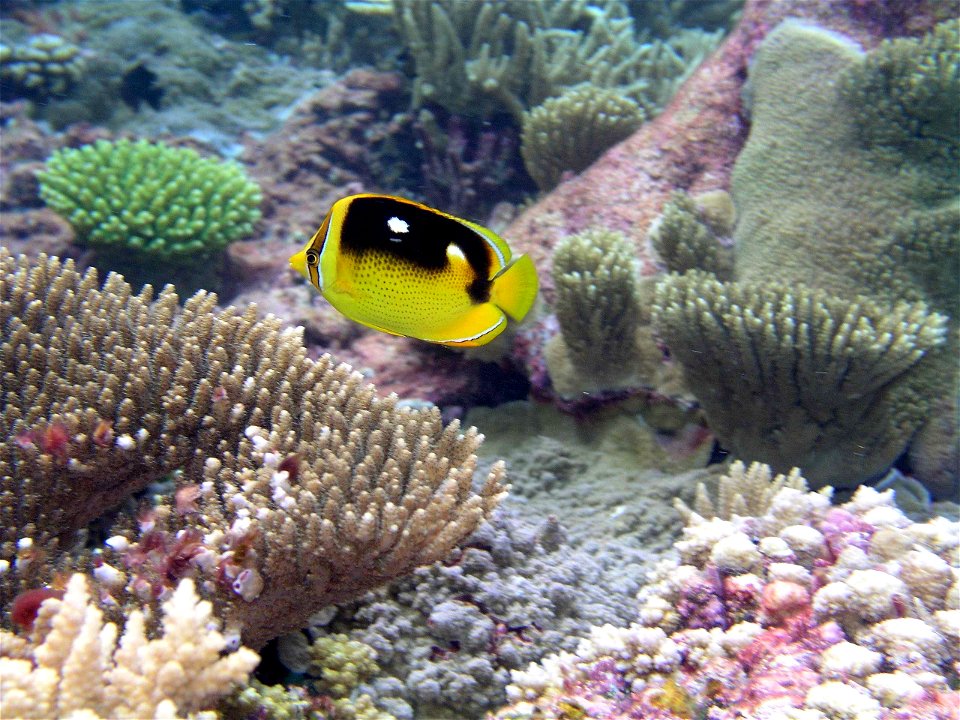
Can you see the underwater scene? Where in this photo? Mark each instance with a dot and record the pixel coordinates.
(480, 359)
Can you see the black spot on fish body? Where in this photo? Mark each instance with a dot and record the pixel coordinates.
(421, 237)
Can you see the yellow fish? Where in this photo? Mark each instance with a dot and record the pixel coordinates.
(406, 269)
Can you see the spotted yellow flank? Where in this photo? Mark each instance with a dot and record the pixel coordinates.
(406, 269)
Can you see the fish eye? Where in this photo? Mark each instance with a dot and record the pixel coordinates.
(312, 257)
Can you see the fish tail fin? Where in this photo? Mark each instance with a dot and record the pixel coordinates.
(515, 288)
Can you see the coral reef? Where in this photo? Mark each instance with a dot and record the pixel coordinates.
(568, 132)
(74, 665)
(152, 70)
(485, 59)
(797, 377)
(805, 611)
(150, 210)
(44, 67)
(296, 486)
(796, 204)
(693, 144)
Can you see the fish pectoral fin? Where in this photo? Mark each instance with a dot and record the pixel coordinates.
(477, 326)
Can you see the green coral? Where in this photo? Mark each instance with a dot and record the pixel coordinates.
(598, 309)
(906, 93)
(43, 67)
(273, 702)
(569, 132)
(794, 377)
(505, 56)
(144, 204)
(341, 664)
(685, 239)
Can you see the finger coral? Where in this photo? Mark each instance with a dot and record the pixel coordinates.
(768, 636)
(567, 133)
(800, 378)
(142, 203)
(296, 486)
(598, 308)
(75, 666)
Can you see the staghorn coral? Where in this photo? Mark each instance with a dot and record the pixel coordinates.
(296, 485)
(735, 630)
(800, 378)
(43, 67)
(598, 309)
(567, 133)
(686, 237)
(74, 665)
(147, 204)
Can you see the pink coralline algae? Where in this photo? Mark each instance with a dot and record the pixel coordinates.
(808, 612)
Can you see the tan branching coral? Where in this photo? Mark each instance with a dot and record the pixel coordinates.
(297, 486)
(598, 308)
(106, 391)
(800, 378)
(75, 666)
(744, 491)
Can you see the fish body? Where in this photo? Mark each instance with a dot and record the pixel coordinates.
(407, 269)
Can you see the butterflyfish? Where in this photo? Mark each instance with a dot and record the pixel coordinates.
(407, 269)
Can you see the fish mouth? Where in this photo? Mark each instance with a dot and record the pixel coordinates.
(298, 262)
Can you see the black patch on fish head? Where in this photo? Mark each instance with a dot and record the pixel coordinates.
(417, 235)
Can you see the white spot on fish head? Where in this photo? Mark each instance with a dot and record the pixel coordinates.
(397, 225)
(455, 253)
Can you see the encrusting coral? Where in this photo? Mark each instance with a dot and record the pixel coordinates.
(75, 666)
(807, 611)
(147, 204)
(598, 309)
(797, 377)
(568, 132)
(296, 486)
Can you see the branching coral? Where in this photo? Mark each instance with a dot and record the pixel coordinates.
(296, 485)
(741, 491)
(75, 666)
(774, 616)
(506, 56)
(598, 309)
(149, 204)
(45, 66)
(567, 133)
(800, 378)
